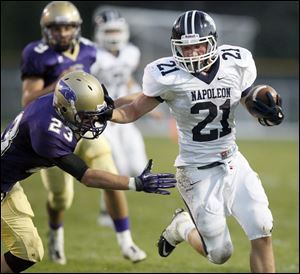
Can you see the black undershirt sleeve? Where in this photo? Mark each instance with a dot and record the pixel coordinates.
(246, 91)
(159, 99)
(72, 164)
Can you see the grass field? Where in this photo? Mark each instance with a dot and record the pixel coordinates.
(90, 248)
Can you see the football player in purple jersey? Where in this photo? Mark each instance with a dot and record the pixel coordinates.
(62, 49)
(45, 134)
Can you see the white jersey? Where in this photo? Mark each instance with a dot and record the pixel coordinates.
(126, 140)
(203, 106)
(115, 71)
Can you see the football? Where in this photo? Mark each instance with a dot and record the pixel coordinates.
(259, 92)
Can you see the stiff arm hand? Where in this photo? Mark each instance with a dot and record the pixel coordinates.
(109, 101)
(153, 183)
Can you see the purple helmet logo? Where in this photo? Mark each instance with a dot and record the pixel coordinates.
(67, 92)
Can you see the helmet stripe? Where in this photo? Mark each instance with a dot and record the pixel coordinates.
(189, 24)
(193, 21)
(185, 23)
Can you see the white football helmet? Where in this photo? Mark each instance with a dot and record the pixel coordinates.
(193, 28)
(79, 100)
(111, 29)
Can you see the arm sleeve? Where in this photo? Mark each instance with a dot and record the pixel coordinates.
(249, 73)
(246, 91)
(151, 86)
(72, 164)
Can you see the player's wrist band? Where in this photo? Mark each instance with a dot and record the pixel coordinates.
(131, 184)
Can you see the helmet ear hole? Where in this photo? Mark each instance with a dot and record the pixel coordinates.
(64, 109)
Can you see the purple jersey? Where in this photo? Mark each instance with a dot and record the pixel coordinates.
(32, 140)
(38, 59)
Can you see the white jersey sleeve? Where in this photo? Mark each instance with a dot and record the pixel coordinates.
(156, 82)
(242, 61)
(249, 72)
(151, 87)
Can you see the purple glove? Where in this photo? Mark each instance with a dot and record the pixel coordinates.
(154, 183)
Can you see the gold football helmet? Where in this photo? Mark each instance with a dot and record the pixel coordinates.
(79, 100)
(60, 13)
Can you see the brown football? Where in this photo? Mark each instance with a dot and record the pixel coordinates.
(259, 92)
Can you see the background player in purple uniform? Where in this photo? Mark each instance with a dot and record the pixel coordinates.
(61, 50)
(43, 135)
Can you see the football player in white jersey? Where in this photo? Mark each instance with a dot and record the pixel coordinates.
(116, 60)
(203, 85)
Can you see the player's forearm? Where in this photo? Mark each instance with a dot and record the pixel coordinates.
(126, 99)
(104, 180)
(133, 111)
(125, 114)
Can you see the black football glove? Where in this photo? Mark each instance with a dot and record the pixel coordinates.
(109, 101)
(271, 112)
(154, 183)
(106, 114)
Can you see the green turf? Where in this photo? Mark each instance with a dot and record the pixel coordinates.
(90, 248)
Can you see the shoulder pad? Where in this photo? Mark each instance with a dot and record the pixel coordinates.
(130, 55)
(164, 70)
(87, 42)
(133, 48)
(35, 48)
(244, 54)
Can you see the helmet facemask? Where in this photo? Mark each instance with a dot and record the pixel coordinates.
(88, 121)
(193, 28)
(194, 64)
(55, 43)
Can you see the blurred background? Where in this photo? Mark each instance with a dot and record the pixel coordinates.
(269, 29)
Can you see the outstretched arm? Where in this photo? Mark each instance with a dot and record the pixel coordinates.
(126, 99)
(131, 112)
(146, 181)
